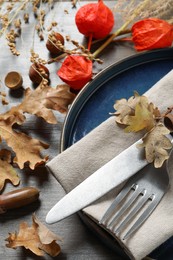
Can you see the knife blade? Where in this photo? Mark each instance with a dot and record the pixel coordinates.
(110, 175)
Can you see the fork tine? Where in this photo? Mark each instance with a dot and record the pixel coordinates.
(132, 213)
(144, 216)
(153, 183)
(125, 206)
(115, 203)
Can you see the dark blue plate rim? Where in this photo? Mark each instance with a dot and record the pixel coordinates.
(101, 78)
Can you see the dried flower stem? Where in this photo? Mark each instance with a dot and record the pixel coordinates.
(159, 9)
(126, 31)
(79, 50)
(122, 28)
(13, 17)
(60, 57)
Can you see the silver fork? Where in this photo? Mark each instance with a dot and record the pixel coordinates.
(138, 198)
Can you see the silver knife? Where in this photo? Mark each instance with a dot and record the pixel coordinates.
(110, 175)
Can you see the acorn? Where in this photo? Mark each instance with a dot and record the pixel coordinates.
(52, 43)
(13, 80)
(18, 198)
(37, 72)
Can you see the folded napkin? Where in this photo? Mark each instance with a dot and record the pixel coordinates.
(98, 147)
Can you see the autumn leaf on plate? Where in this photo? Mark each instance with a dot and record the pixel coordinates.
(142, 119)
(44, 99)
(6, 169)
(136, 112)
(37, 238)
(156, 145)
(125, 107)
(27, 149)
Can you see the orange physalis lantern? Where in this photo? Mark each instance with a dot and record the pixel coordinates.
(95, 19)
(152, 33)
(76, 71)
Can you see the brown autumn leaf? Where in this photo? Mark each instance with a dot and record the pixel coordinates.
(16, 114)
(44, 99)
(39, 102)
(37, 238)
(5, 155)
(154, 110)
(8, 173)
(27, 149)
(156, 145)
(48, 238)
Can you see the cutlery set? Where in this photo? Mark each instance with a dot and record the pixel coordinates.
(145, 186)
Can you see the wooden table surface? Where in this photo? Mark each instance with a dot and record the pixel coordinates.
(78, 241)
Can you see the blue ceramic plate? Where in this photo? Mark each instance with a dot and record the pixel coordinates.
(94, 103)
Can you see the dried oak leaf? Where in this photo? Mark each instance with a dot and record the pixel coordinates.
(16, 114)
(7, 171)
(125, 107)
(41, 102)
(136, 113)
(37, 238)
(27, 149)
(156, 145)
(143, 117)
(44, 99)
(5, 155)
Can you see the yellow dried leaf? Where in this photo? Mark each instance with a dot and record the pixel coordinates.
(125, 108)
(36, 238)
(143, 118)
(156, 145)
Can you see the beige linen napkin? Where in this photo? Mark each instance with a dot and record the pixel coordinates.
(98, 147)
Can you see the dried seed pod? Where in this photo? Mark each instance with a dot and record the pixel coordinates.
(18, 198)
(13, 80)
(38, 72)
(55, 43)
(76, 71)
(152, 33)
(95, 19)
